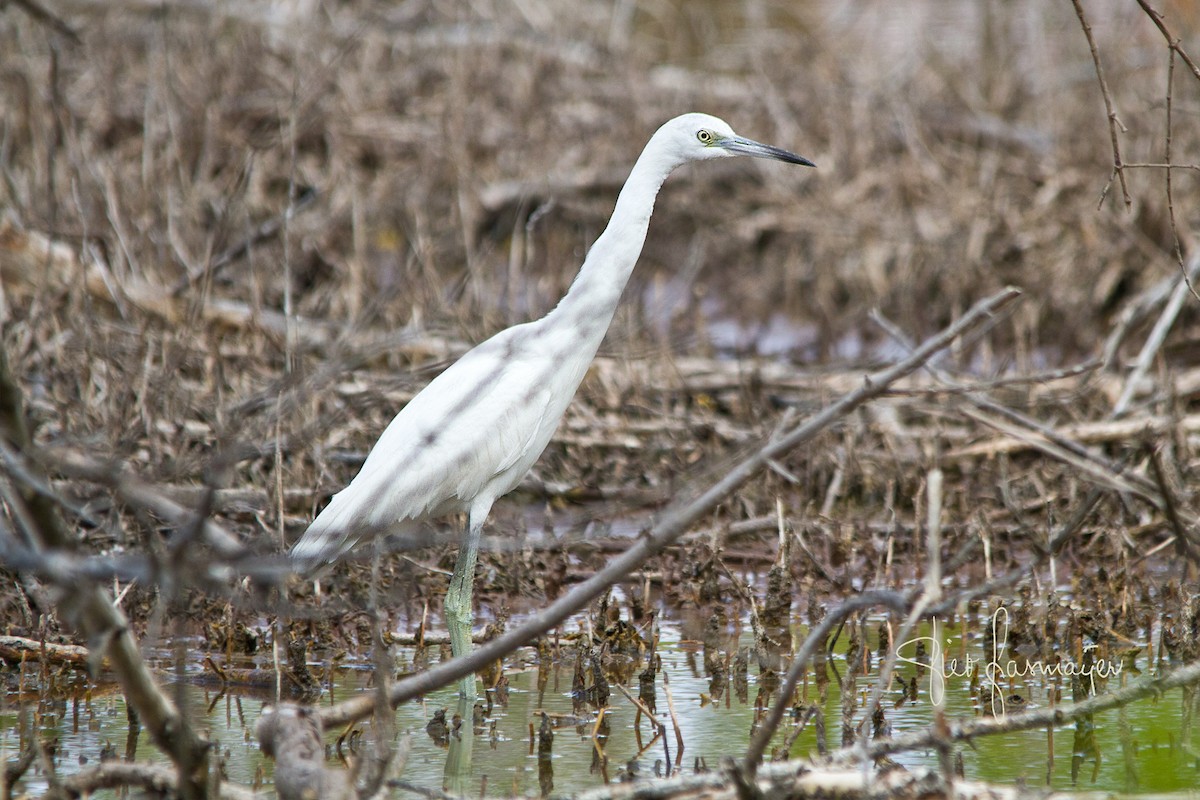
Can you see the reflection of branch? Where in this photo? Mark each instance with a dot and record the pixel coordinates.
(674, 523)
(1054, 715)
(14, 769)
(1113, 122)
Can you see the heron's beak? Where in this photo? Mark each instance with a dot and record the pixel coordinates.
(748, 147)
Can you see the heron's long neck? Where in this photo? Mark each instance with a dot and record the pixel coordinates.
(592, 299)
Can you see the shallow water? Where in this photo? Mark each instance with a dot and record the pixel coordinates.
(1148, 746)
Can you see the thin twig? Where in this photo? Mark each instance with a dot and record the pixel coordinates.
(48, 18)
(1113, 121)
(1007, 381)
(1172, 41)
(1165, 165)
(674, 523)
(1170, 193)
(1158, 335)
(640, 706)
(674, 718)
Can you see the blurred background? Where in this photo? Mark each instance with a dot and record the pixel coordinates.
(235, 238)
(238, 236)
(464, 156)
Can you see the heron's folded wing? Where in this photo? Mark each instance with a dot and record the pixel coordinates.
(482, 418)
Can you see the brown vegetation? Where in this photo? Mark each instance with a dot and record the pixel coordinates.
(236, 238)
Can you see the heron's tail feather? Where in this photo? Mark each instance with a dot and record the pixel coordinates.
(328, 538)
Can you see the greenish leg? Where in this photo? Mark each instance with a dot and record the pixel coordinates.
(458, 605)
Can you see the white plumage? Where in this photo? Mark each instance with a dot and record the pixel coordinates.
(473, 433)
(469, 437)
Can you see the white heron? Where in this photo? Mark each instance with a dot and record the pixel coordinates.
(471, 435)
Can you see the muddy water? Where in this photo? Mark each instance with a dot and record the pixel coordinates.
(1149, 746)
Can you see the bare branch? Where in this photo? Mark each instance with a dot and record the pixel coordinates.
(137, 493)
(1113, 122)
(1172, 41)
(815, 639)
(157, 778)
(48, 18)
(674, 523)
(89, 609)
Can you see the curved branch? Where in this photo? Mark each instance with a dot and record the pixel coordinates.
(673, 525)
(154, 777)
(1113, 122)
(88, 608)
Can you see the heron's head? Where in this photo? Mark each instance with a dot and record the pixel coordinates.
(698, 137)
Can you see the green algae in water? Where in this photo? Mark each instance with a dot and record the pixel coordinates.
(1148, 746)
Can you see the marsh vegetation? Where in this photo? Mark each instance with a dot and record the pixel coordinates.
(236, 238)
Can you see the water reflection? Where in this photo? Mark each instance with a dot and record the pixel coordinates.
(545, 767)
(575, 713)
(457, 779)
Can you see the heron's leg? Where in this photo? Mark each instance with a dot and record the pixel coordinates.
(458, 605)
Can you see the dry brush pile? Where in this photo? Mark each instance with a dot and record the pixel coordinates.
(237, 238)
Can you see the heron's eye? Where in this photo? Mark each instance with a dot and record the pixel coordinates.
(705, 136)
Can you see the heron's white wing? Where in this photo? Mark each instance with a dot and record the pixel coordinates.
(469, 436)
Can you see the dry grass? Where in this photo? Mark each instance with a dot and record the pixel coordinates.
(464, 159)
(163, 312)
